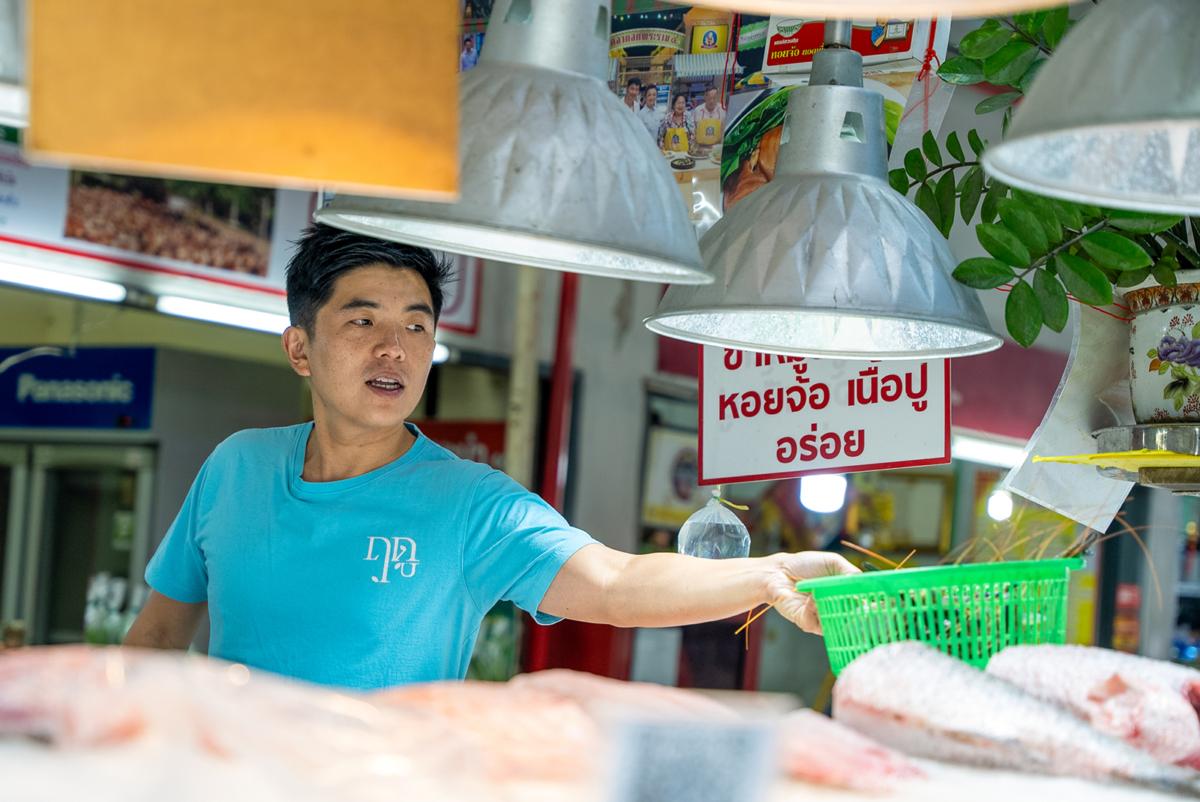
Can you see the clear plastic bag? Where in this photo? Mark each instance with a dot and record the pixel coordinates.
(714, 532)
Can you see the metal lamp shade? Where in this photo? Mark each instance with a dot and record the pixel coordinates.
(556, 172)
(885, 9)
(1114, 117)
(828, 266)
(827, 260)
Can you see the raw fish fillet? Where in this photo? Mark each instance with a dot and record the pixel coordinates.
(813, 747)
(80, 697)
(918, 700)
(603, 696)
(523, 732)
(817, 749)
(1150, 704)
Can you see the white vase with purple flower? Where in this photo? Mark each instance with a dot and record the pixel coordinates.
(1164, 353)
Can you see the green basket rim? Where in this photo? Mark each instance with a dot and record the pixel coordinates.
(1016, 570)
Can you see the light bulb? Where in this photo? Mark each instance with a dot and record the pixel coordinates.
(823, 494)
(1000, 505)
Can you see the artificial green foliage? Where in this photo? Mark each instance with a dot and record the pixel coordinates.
(1044, 251)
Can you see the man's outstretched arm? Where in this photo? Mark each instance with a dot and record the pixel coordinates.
(604, 586)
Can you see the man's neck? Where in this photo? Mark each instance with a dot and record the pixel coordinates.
(342, 452)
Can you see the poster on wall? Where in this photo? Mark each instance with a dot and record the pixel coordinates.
(216, 234)
(764, 416)
(893, 52)
(462, 296)
(792, 42)
(474, 20)
(670, 487)
(755, 133)
(478, 441)
(673, 68)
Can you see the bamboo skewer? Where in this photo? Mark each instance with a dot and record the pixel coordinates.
(750, 619)
(869, 553)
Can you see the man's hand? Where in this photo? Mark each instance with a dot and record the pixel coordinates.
(801, 608)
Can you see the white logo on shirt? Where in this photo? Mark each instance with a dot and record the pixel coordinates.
(399, 554)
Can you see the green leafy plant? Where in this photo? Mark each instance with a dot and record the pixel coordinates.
(1045, 251)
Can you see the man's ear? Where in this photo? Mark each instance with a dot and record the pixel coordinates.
(295, 345)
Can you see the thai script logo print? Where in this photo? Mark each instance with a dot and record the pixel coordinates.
(398, 554)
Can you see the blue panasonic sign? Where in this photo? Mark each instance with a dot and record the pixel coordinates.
(85, 388)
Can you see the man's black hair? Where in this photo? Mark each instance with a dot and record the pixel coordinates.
(324, 253)
(634, 82)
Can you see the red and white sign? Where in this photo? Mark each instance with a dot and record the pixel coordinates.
(764, 416)
(885, 46)
(478, 441)
(460, 303)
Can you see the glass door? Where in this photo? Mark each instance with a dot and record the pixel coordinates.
(14, 481)
(88, 535)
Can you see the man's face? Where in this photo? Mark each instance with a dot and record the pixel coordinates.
(631, 93)
(710, 99)
(469, 44)
(371, 348)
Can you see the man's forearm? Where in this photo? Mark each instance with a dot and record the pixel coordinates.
(165, 623)
(154, 638)
(669, 590)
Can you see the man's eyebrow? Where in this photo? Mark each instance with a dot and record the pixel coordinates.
(420, 307)
(360, 303)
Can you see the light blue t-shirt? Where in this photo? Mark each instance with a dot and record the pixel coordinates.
(367, 582)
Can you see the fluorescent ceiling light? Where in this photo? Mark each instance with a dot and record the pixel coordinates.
(222, 313)
(66, 283)
(823, 494)
(1114, 118)
(985, 452)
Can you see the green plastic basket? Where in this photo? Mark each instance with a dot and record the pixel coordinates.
(968, 611)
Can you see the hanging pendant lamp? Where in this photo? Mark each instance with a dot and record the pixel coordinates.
(556, 171)
(1114, 117)
(827, 260)
(884, 9)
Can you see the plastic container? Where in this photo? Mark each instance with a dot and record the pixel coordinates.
(967, 611)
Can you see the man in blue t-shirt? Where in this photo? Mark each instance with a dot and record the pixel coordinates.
(353, 551)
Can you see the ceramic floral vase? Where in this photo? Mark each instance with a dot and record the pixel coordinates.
(1164, 353)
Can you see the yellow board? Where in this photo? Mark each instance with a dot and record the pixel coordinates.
(1131, 461)
(356, 97)
(710, 38)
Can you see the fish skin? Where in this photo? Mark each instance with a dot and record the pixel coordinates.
(1150, 704)
(520, 732)
(817, 749)
(915, 699)
(602, 696)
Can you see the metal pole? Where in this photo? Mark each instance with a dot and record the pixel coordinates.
(521, 429)
(837, 32)
(558, 436)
